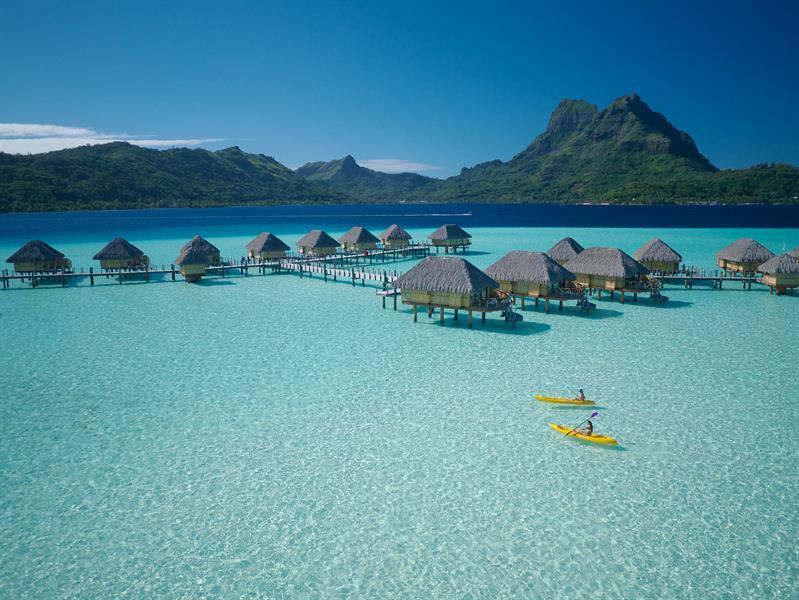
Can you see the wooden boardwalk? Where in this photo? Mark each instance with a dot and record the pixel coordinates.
(690, 276)
(349, 266)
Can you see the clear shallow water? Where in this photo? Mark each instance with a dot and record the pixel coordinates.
(275, 436)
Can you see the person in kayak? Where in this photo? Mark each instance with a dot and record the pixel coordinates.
(580, 396)
(586, 429)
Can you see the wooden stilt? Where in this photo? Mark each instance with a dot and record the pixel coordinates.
(441, 315)
(415, 310)
(483, 316)
(456, 314)
(469, 320)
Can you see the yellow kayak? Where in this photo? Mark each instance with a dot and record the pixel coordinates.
(564, 400)
(597, 439)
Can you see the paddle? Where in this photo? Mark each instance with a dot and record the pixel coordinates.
(586, 421)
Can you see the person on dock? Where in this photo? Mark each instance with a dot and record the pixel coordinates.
(580, 395)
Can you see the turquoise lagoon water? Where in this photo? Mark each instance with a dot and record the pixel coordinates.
(271, 436)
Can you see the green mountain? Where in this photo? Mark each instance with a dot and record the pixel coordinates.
(120, 175)
(624, 153)
(362, 184)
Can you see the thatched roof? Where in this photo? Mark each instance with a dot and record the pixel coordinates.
(395, 232)
(194, 255)
(784, 264)
(35, 251)
(449, 232)
(656, 250)
(202, 244)
(118, 249)
(267, 242)
(358, 235)
(794, 252)
(745, 250)
(196, 252)
(530, 267)
(446, 274)
(565, 250)
(317, 239)
(606, 262)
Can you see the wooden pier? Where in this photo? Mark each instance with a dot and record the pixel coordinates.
(346, 266)
(689, 276)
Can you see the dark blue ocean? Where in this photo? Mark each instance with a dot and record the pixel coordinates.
(221, 221)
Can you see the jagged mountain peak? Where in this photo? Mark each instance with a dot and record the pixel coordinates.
(571, 115)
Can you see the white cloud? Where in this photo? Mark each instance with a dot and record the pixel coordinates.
(34, 130)
(32, 138)
(396, 165)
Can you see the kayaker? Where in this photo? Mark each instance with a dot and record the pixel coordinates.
(586, 429)
(580, 396)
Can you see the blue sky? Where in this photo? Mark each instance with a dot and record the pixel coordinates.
(438, 85)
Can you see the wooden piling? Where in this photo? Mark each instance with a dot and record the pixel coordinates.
(415, 310)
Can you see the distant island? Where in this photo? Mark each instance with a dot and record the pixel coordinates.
(624, 154)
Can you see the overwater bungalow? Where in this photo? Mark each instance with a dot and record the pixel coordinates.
(565, 250)
(743, 256)
(119, 253)
(794, 252)
(197, 254)
(780, 273)
(210, 251)
(452, 283)
(450, 236)
(534, 275)
(267, 246)
(317, 243)
(358, 239)
(395, 237)
(612, 270)
(37, 256)
(657, 256)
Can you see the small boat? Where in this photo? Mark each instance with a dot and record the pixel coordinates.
(564, 401)
(595, 438)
